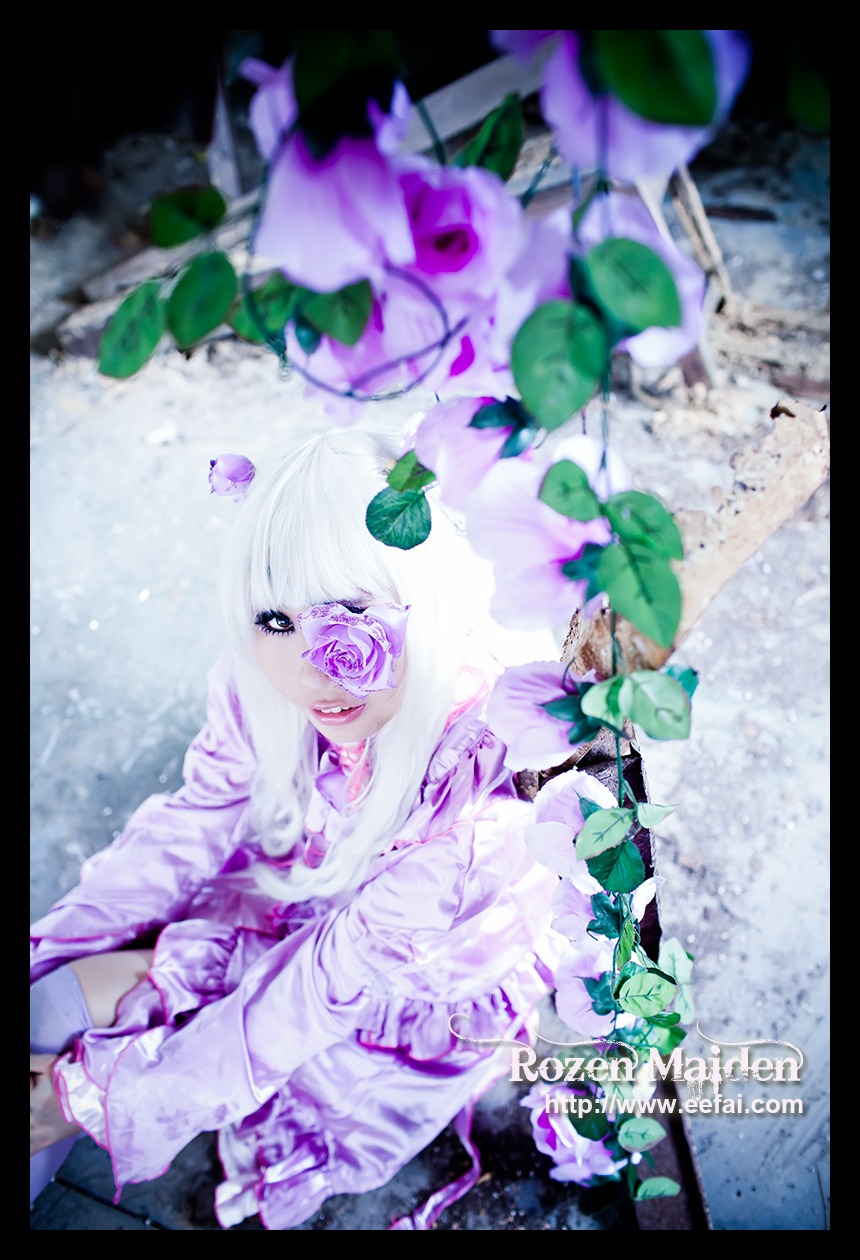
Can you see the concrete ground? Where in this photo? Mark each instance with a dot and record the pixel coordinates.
(124, 546)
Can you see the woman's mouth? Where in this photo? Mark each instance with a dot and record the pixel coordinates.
(337, 714)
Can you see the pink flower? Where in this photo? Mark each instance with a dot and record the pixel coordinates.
(332, 221)
(624, 215)
(587, 958)
(558, 820)
(528, 542)
(230, 476)
(273, 108)
(576, 1158)
(535, 740)
(458, 454)
(355, 649)
(634, 146)
(465, 229)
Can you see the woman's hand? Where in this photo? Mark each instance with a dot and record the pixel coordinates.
(47, 1122)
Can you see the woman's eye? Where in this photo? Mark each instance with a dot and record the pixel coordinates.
(272, 622)
(354, 608)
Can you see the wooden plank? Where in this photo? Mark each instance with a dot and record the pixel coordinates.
(466, 102)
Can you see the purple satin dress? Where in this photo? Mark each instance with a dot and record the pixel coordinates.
(315, 1038)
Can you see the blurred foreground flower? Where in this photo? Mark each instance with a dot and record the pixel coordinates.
(529, 542)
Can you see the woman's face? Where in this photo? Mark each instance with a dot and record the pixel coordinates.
(341, 717)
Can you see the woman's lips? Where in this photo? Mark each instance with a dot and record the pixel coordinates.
(331, 717)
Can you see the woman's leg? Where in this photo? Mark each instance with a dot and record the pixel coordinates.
(64, 1003)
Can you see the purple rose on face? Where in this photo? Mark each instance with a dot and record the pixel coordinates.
(355, 649)
(230, 476)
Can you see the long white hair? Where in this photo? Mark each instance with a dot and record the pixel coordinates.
(300, 538)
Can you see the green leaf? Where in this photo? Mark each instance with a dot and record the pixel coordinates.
(399, 518)
(633, 285)
(675, 960)
(185, 213)
(499, 415)
(618, 870)
(497, 145)
(664, 76)
(568, 709)
(342, 315)
(688, 678)
(650, 816)
(133, 331)
(642, 586)
(640, 518)
(592, 1126)
(566, 488)
(640, 1133)
(587, 806)
(657, 1188)
(664, 1040)
(645, 994)
(607, 918)
(410, 474)
(201, 298)
(665, 1019)
(601, 702)
(585, 569)
(265, 311)
(626, 941)
(808, 97)
(657, 703)
(603, 830)
(600, 991)
(335, 73)
(557, 359)
(517, 442)
(307, 336)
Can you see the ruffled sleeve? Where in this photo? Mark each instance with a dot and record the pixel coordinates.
(415, 928)
(170, 846)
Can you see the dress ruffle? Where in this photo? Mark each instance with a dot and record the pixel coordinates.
(327, 1043)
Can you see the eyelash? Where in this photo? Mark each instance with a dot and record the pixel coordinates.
(262, 620)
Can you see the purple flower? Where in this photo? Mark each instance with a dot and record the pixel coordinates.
(520, 44)
(458, 454)
(558, 820)
(528, 542)
(230, 476)
(355, 649)
(465, 228)
(535, 739)
(635, 147)
(273, 108)
(620, 214)
(576, 1158)
(332, 221)
(585, 959)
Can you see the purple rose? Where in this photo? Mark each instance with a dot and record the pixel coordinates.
(355, 649)
(230, 476)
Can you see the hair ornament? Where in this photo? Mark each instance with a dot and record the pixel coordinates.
(230, 476)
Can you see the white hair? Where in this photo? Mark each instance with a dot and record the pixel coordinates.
(300, 538)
